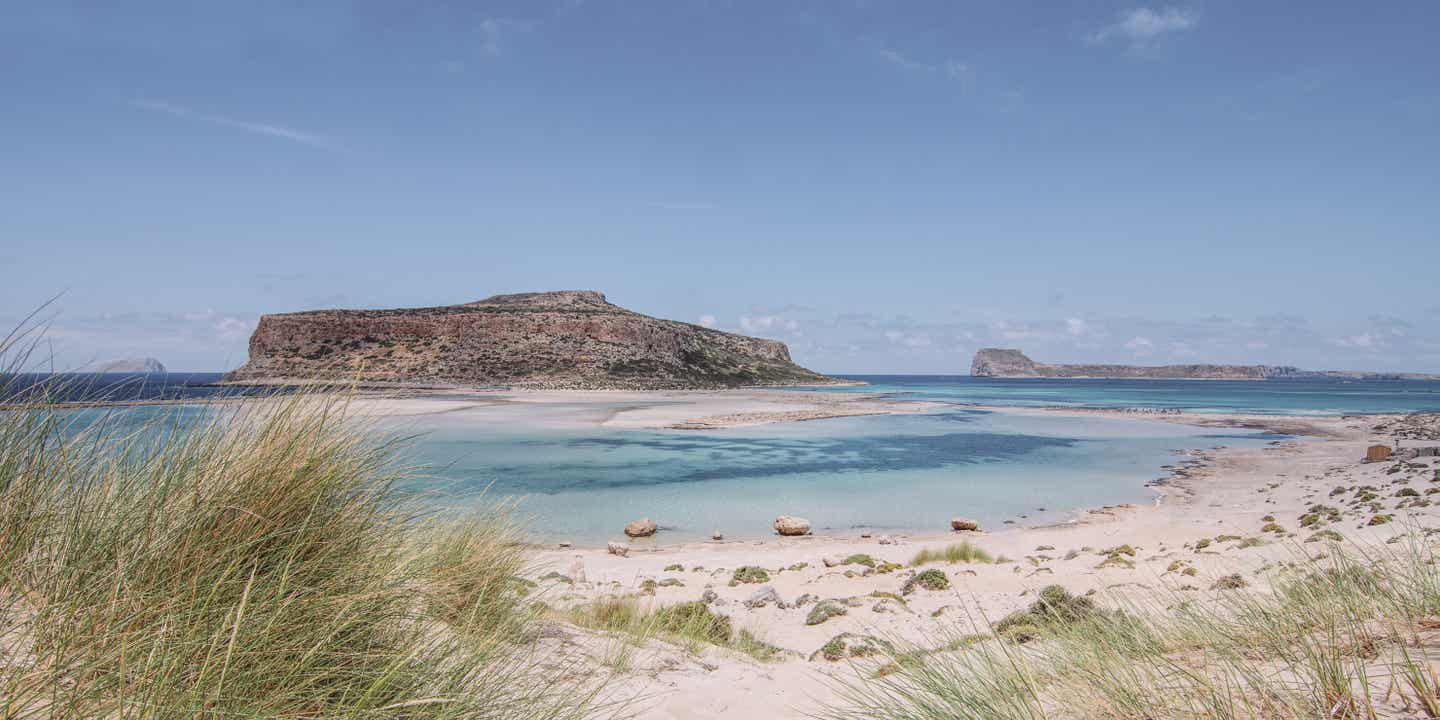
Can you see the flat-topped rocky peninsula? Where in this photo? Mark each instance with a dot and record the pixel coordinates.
(572, 339)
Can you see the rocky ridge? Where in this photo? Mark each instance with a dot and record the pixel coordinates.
(1011, 363)
(1006, 363)
(563, 339)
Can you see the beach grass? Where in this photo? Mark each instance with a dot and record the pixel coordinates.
(1350, 636)
(259, 562)
(690, 625)
(961, 552)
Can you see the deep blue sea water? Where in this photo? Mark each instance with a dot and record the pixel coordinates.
(114, 387)
(1283, 397)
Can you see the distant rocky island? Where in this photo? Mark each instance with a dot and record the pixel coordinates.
(563, 339)
(1010, 363)
(146, 365)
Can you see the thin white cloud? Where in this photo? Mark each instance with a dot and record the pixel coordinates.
(490, 36)
(275, 131)
(952, 69)
(707, 320)
(767, 323)
(1140, 346)
(1144, 24)
(898, 60)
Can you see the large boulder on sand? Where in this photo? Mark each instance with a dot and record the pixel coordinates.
(791, 525)
(640, 528)
(1377, 453)
(616, 548)
(958, 524)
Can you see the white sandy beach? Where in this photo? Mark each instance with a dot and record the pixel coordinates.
(1225, 496)
(634, 409)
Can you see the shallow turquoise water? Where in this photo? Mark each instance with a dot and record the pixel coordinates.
(885, 473)
(580, 482)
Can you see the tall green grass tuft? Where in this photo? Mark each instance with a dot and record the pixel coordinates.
(1351, 636)
(961, 552)
(255, 563)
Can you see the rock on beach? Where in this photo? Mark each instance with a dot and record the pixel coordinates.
(791, 525)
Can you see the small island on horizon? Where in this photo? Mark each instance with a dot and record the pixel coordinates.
(1013, 363)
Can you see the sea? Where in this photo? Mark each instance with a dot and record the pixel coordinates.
(574, 481)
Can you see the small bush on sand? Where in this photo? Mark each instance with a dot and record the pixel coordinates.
(1054, 608)
(1326, 534)
(931, 579)
(1232, 581)
(961, 552)
(750, 574)
(824, 611)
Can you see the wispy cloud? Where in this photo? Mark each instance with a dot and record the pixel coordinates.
(269, 130)
(952, 69)
(496, 33)
(895, 58)
(1144, 24)
(490, 36)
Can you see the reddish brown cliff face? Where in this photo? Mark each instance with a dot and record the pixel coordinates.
(555, 339)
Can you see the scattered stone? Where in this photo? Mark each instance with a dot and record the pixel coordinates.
(790, 525)
(765, 596)
(960, 524)
(617, 548)
(804, 600)
(1377, 453)
(644, 527)
(886, 607)
(709, 596)
(833, 560)
(886, 540)
(564, 546)
(717, 536)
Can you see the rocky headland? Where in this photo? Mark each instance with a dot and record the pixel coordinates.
(1011, 363)
(572, 339)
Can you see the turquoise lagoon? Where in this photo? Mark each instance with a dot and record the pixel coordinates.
(895, 473)
(575, 480)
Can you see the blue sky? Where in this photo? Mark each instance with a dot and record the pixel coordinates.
(885, 186)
